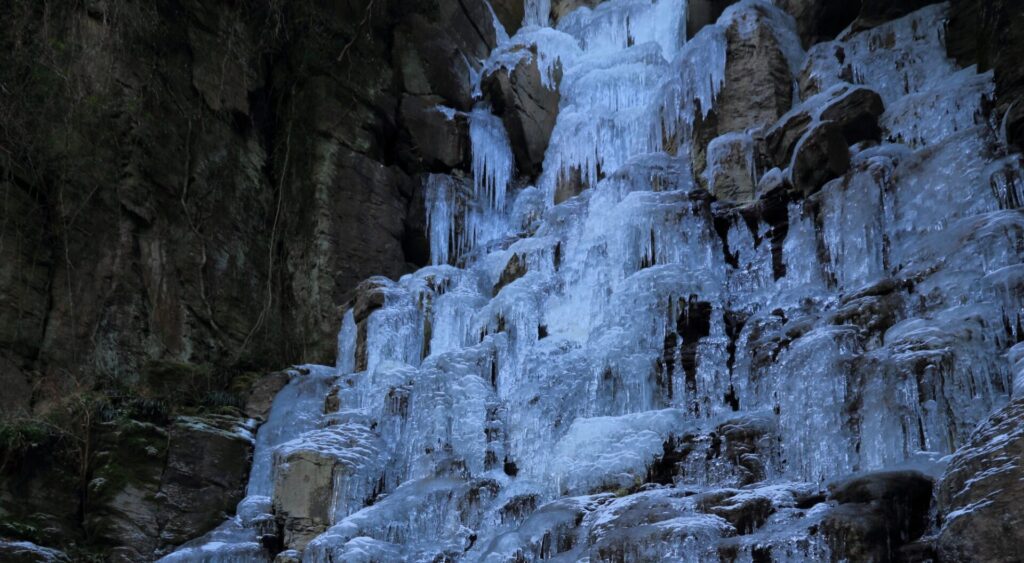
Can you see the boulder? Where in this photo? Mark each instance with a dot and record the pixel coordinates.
(877, 514)
(854, 110)
(307, 471)
(527, 108)
(821, 155)
(731, 171)
(208, 460)
(979, 498)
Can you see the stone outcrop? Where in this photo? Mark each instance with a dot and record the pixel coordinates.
(323, 133)
(979, 498)
(130, 136)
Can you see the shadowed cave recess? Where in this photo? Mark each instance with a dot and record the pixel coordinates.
(664, 280)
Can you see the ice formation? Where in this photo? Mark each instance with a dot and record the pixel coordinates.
(582, 381)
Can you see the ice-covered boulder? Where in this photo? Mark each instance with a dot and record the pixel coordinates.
(322, 476)
(612, 453)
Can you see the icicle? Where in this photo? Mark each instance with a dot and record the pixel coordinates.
(537, 12)
(441, 210)
(346, 362)
(492, 158)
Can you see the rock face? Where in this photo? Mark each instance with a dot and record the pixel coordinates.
(979, 498)
(322, 133)
(205, 185)
(642, 371)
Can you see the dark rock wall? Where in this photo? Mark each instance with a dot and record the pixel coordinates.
(190, 191)
(204, 182)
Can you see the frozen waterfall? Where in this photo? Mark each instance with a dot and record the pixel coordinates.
(632, 373)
